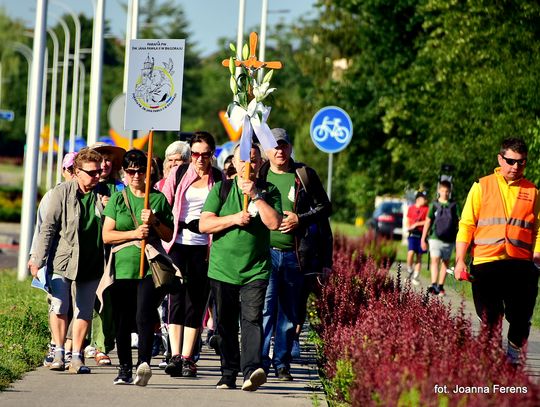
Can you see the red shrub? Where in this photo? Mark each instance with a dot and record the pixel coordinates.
(402, 344)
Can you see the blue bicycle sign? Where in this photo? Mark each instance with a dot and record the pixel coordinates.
(331, 129)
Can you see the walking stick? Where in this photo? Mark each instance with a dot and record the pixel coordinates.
(147, 193)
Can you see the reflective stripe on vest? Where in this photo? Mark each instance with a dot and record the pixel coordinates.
(496, 235)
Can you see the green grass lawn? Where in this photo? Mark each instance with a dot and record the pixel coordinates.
(24, 332)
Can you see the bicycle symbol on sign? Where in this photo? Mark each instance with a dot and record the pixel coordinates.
(331, 128)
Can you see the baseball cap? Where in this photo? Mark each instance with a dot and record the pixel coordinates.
(281, 135)
(68, 160)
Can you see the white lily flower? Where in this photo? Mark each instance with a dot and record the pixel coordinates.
(262, 91)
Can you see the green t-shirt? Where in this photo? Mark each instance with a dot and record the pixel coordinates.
(90, 242)
(240, 255)
(127, 260)
(285, 183)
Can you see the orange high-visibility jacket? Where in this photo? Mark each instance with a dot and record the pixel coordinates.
(495, 233)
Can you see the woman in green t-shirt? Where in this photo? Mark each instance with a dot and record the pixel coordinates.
(134, 300)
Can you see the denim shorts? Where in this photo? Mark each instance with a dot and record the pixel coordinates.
(438, 248)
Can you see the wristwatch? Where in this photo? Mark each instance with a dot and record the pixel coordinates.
(256, 198)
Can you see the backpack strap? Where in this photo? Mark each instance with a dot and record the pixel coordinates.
(224, 189)
(180, 172)
(304, 178)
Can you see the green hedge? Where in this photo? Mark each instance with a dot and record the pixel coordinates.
(24, 331)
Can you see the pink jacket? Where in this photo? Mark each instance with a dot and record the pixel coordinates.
(175, 195)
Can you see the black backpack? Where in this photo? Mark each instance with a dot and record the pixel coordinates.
(446, 221)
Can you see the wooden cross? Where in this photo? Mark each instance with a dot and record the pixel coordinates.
(252, 61)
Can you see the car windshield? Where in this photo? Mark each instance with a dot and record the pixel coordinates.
(390, 208)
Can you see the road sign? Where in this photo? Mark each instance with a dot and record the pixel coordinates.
(331, 129)
(8, 115)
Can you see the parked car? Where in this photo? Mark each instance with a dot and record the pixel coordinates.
(387, 219)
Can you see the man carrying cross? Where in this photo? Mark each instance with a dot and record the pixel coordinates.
(239, 266)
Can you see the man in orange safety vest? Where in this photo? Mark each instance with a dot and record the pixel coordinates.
(500, 221)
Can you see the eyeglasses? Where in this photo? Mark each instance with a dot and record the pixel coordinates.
(132, 172)
(92, 173)
(511, 161)
(205, 155)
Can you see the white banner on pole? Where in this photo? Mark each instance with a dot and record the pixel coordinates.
(154, 89)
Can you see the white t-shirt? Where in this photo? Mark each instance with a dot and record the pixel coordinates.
(192, 204)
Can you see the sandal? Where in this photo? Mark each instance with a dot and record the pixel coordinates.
(102, 359)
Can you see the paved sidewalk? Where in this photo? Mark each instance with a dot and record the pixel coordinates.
(454, 299)
(55, 389)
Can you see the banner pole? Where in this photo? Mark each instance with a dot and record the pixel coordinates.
(147, 193)
(247, 170)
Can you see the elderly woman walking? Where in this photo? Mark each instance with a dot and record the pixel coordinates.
(186, 188)
(134, 299)
(71, 235)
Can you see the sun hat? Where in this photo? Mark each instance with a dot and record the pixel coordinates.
(116, 152)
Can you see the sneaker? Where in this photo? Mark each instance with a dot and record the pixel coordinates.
(68, 358)
(189, 368)
(124, 375)
(50, 355)
(433, 289)
(226, 383)
(441, 292)
(143, 374)
(295, 351)
(174, 368)
(163, 364)
(256, 379)
(77, 366)
(283, 375)
(58, 363)
(89, 352)
(409, 273)
(134, 340)
(513, 355)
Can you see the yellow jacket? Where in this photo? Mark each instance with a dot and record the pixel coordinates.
(469, 217)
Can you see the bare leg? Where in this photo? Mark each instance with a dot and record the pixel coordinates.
(442, 275)
(80, 329)
(58, 328)
(435, 269)
(190, 339)
(175, 338)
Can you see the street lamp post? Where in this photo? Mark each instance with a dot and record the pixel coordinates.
(52, 112)
(132, 27)
(75, 83)
(28, 209)
(63, 102)
(94, 108)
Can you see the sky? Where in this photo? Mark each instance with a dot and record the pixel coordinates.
(209, 20)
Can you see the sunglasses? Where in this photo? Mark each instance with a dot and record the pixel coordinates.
(140, 171)
(206, 155)
(511, 161)
(92, 173)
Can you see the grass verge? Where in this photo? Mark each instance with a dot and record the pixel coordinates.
(24, 332)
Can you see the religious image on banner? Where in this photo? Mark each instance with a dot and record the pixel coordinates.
(155, 87)
(154, 95)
